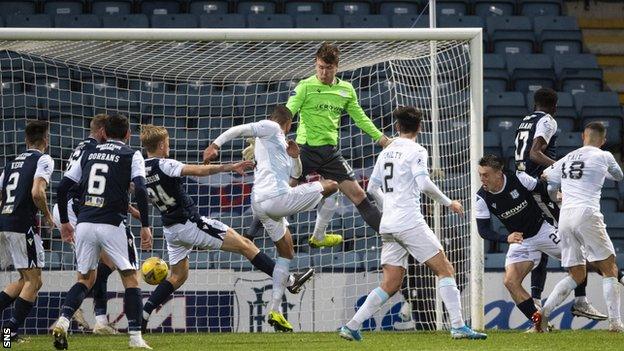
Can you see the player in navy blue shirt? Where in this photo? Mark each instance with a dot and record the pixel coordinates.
(184, 227)
(23, 184)
(105, 175)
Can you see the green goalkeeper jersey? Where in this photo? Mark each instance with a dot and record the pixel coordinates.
(320, 107)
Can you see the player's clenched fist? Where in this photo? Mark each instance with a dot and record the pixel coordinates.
(146, 238)
(67, 232)
(515, 238)
(293, 149)
(457, 207)
(211, 153)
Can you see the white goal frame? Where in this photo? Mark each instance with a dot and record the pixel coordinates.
(472, 35)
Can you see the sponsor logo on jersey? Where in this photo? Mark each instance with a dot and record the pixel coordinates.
(343, 93)
(514, 211)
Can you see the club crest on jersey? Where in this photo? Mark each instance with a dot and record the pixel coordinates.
(343, 93)
(514, 194)
(494, 204)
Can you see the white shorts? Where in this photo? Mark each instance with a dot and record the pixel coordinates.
(273, 212)
(70, 214)
(545, 241)
(116, 242)
(420, 242)
(23, 250)
(583, 236)
(205, 233)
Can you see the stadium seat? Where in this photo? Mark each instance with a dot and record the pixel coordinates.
(340, 7)
(303, 7)
(200, 7)
(126, 21)
(365, 21)
(508, 23)
(503, 110)
(338, 261)
(269, 21)
(111, 7)
(461, 21)
(23, 7)
(452, 8)
(318, 21)
(557, 23)
(362, 245)
(77, 21)
(486, 8)
(496, 78)
(567, 142)
(256, 7)
(159, 7)
(531, 72)
(63, 7)
(558, 35)
(175, 20)
(491, 144)
(536, 8)
(397, 7)
(511, 34)
(495, 261)
(372, 260)
(201, 260)
(578, 73)
(609, 205)
(407, 21)
(602, 107)
(29, 21)
(232, 20)
(615, 224)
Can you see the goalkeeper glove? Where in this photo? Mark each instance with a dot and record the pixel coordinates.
(248, 152)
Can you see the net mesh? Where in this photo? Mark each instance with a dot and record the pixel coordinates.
(197, 90)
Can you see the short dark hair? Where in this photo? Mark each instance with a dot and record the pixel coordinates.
(492, 161)
(329, 53)
(116, 126)
(281, 114)
(408, 118)
(545, 97)
(598, 128)
(36, 131)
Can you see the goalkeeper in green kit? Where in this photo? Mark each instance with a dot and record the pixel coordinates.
(320, 101)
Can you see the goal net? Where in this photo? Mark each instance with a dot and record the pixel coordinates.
(198, 84)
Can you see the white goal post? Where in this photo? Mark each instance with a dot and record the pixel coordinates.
(67, 75)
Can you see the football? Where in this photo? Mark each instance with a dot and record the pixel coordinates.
(154, 270)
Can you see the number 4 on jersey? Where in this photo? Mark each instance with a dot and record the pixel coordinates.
(162, 200)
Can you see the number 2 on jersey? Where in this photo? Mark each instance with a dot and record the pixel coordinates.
(389, 169)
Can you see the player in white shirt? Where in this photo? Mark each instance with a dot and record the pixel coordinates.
(580, 175)
(274, 195)
(399, 177)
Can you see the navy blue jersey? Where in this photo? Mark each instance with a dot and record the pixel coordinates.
(104, 177)
(18, 212)
(514, 206)
(84, 146)
(166, 191)
(534, 125)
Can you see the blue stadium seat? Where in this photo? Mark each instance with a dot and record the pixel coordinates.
(365, 21)
(578, 73)
(175, 20)
(495, 261)
(23, 7)
(486, 8)
(126, 21)
(341, 7)
(615, 225)
(503, 110)
(407, 21)
(491, 144)
(511, 34)
(531, 72)
(1, 22)
(318, 21)
(566, 113)
(202, 259)
(270, 21)
(371, 243)
(609, 205)
(30, 21)
(372, 260)
(397, 7)
(461, 21)
(495, 76)
(232, 20)
(63, 7)
(452, 8)
(111, 7)
(558, 23)
(602, 107)
(534, 8)
(200, 7)
(508, 23)
(256, 7)
(304, 7)
(568, 142)
(558, 35)
(338, 262)
(77, 21)
(159, 7)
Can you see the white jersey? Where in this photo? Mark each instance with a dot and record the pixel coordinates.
(581, 174)
(273, 165)
(395, 172)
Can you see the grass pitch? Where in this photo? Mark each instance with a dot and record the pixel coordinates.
(594, 340)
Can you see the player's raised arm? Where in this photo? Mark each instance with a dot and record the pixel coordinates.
(614, 172)
(45, 167)
(206, 170)
(360, 118)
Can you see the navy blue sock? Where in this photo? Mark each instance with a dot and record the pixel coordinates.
(133, 305)
(5, 301)
(159, 296)
(21, 311)
(580, 289)
(264, 263)
(99, 289)
(527, 307)
(538, 278)
(73, 300)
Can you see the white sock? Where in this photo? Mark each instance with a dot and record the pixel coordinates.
(559, 293)
(102, 319)
(538, 303)
(280, 276)
(135, 335)
(63, 322)
(373, 302)
(580, 299)
(145, 316)
(324, 214)
(452, 301)
(611, 291)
